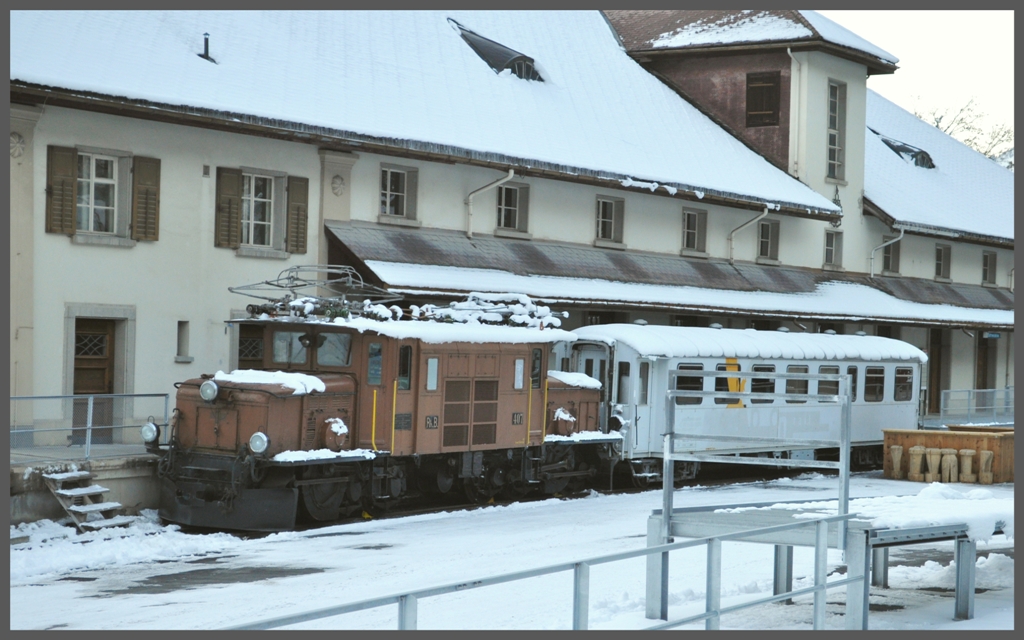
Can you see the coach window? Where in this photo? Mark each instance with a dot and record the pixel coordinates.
(623, 393)
(374, 363)
(690, 383)
(290, 347)
(535, 369)
(828, 387)
(724, 384)
(404, 368)
(333, 349)
(852, 371)
(904, 387)
(763, 385)
(796, 386)
(874, 383)
(432, 374)
(645, 374)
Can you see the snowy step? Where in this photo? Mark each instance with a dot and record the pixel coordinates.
(92, 490)
(116, 521)
(68, 476)
(99, 507)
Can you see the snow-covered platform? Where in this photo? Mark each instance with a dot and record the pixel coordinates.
(879, 524)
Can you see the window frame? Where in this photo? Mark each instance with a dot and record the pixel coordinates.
(695, 228)
(610, 220)
(835, 131)
(764, 91)
(756, 384)
(93, 181)
(520, 210)
(891, 255)
(249, 178)
(832, 385)
(874, 391)
(386, 193)
(833, 254)
(943, 258)
(696, 382)
(988, 267)
(800, 387)
(771, 243)
(903, 386)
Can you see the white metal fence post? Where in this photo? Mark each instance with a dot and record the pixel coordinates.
(407, 606)
(657, 573)
(88, 427)
(845, 425)
(857, 559)
(820, 571)
(713, 594)
(581, 596)
(965, 553)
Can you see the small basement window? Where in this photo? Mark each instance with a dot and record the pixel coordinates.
(498, 56)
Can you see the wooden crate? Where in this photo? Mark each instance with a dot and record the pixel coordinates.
(1000, 444)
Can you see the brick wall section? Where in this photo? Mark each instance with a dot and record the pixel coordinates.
(719, 85)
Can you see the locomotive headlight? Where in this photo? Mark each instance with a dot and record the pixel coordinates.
(208, 390)
(150, 432)
(258, 442)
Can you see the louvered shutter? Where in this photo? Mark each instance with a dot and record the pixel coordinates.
(146, 199)
(618, 219)
(523, 217)
(773, 241)
(298, 214)
(702, 231)
(61, 179)
(411, 188)
(228, 221)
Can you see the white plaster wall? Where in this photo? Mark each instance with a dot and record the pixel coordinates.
(962, 362)
(182, 276)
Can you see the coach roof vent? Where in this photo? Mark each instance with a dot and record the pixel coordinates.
(498, 56)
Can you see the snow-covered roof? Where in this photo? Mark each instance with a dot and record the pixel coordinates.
(828, 300)
(705, 342)
(407, 79)
(441, 332)
(687, 28)
(965, 192)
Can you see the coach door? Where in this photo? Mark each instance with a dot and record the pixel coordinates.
(94, 374)
(592, 359)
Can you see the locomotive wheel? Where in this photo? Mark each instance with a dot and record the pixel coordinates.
(477, 491)
(322, 501)
(444, 480)
(515, 487)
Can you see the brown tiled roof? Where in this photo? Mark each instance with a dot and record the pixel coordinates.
(637, 27)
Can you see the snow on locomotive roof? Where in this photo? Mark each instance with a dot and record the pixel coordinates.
(440, 332)
(706, 342)
(300, 382)
(575, 379)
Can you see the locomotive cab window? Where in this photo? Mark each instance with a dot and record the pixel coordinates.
(762, 385)
(404, 368)
(828, 387)
(689, 383)
(904, 387)
(332, 349)
(874, 384)
(520, 373)
(535, 369)
(796, 386)
(374, 363)
(432, 374)
(291, 347)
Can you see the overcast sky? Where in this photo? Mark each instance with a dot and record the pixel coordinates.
(946, 57)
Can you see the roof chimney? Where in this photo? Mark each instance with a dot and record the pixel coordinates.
(205, 55)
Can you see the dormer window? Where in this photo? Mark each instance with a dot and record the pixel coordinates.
(498, 56)
(908, 152)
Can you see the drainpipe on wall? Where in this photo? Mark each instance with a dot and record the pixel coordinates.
(469, 200)
(884, 244)
(745, 224)
(795, 109)
(1009, 278)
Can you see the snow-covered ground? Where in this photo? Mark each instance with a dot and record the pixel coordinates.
(150, 576)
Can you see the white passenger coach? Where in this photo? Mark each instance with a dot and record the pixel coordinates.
(633, 362)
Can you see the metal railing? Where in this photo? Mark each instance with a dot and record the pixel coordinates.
(408, 601)
(960, 406)
(83, 427)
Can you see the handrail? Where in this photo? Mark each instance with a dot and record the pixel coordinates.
(408, 600)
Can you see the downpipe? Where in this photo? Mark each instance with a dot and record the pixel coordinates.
(743, 226)
(469, 199)
(884, 244)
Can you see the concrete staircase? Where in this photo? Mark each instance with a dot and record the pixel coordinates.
(82, 499)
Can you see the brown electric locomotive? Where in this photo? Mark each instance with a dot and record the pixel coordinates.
(331, 417)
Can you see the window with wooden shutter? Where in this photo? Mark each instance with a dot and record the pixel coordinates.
(763, 98)
(61, 182)
(146, 199)
(228, 219)
(298, 214)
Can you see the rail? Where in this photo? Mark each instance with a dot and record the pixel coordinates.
(408, 601)
(83, 427)
(994, 406)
